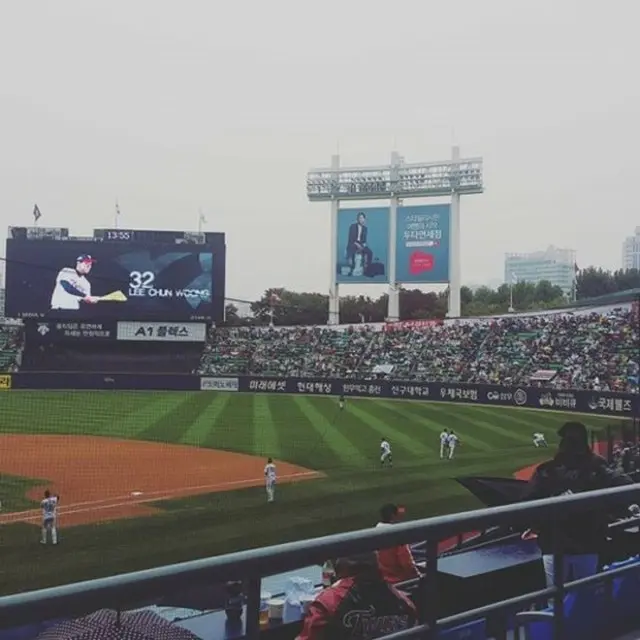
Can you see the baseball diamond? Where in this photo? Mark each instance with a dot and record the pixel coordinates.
(147, 478)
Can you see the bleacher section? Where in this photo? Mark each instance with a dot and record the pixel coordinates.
(589, 350)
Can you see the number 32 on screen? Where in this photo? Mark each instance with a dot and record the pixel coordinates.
(141, 279)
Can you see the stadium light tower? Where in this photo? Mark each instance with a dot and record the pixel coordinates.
(396, 182)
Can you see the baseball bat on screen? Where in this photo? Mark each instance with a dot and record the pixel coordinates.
(114, 296)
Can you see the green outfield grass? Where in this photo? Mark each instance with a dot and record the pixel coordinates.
(306, 430)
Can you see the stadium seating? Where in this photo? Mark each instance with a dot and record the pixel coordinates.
(10, 346)
(587, 351)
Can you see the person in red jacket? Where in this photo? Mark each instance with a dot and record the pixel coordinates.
(359, 606)
(396, 563)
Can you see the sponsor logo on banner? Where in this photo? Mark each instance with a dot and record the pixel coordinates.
(72, 330)
(547, 400)
(520, 397)
(407, 390)
(499, 396)
(219, 384)
(459, 393)
(610, 404)
(162, 331)
(279, 385)
(326, 387)
(565, 400)
(5, 383)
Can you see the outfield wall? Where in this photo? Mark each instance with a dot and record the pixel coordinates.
(596, 402)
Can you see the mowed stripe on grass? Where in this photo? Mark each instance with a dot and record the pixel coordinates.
(329, 435)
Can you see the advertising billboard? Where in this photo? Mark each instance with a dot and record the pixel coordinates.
(363, 245)
(162, 331)
(83, 280)
(422, 244)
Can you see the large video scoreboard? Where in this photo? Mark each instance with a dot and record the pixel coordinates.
(117, 274)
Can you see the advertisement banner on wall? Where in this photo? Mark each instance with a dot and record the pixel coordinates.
(5, 382)
(67, 331)
(219, 384)
(422, 244)
(363, 245)
(162, 331)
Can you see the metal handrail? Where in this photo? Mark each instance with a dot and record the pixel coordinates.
(120, 591)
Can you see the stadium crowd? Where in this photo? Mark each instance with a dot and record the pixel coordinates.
(588, 350)
(11, 340)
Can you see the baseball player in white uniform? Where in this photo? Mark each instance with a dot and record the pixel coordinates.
(72, 286)
(385, 453)
(49, 506)
(453, 443)
(270, 480)
(444, 444)
(539, 440)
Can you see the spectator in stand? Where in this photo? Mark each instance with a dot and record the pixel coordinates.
(574, 469)
(11, 342)
(582, 350)
(396, 563)
(360, 605)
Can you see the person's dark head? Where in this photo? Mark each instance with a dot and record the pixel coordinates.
(363, 565)
(574, 439)
(362, 218)
(47, 494)
(389, 513)
(269, 460)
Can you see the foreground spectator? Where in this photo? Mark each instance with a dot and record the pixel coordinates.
(396, 564)
(360, 605)
(574, 469)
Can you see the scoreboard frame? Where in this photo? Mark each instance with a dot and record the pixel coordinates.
(170, 241)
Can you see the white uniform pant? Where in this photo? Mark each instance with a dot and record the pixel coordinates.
(271, 490)
(452, 448)
(49, 525)
(443, 449)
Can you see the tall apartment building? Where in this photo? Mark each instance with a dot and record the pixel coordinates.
(555, 265)
(631, 251)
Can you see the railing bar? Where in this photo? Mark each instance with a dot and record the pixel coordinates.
(145, 585)
(558, 583)
(431, 594)
(252, 630)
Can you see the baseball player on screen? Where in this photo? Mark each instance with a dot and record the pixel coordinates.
(72, 286)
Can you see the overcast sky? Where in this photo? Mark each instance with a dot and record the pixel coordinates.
(224, 106)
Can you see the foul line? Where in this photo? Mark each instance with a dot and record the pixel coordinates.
(150, 496)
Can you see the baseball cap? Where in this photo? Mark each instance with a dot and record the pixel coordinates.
(85, 258)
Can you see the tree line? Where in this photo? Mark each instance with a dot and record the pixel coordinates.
(287, 308)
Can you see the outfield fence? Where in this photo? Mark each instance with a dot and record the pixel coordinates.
(127, 591)
(622, 405)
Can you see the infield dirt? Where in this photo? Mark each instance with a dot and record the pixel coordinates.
(102, 479)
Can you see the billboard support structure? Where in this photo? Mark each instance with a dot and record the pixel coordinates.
(334, 289)
(395, 182)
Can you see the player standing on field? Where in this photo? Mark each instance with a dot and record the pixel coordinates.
(341, 403)
(270, 480)
(49, 506)
(452, 442)
(385, 452)
(444, 443)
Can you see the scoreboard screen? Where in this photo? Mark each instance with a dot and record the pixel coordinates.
(128, 280)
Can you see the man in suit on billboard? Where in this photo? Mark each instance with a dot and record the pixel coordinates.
(357, 243)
